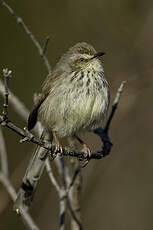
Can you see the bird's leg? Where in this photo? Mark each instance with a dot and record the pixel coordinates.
(58, 147)
(85, 149)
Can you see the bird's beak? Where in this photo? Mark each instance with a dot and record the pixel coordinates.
(99, 54)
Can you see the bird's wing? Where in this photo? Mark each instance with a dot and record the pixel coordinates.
(32, 119)
(47, 85)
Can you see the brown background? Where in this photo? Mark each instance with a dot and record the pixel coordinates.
(118, 190)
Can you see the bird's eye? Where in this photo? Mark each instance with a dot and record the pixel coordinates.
(81, 59)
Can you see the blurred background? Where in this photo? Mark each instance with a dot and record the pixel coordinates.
(118, 190)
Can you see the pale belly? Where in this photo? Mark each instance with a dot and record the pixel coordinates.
(72, 111)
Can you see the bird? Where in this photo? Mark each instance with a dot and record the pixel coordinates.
(75, 96)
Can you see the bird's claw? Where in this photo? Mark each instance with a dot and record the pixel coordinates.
(87, 155)
(58, 149)
(86, 150)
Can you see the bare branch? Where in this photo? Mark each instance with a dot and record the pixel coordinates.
(51, 176)
(119, 91)
(76, 173)
(5, 181)
(20, 21)
(73, 197)
(7, 74)
(18, 106)
(25, 216)
(76, 224)
(3, 154)
(62, 210)
(33, 173)
(45, 45)
(62, 193)
(114, 106)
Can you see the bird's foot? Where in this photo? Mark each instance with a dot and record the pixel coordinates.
(58, 147)
(87, 155)
(86, 150)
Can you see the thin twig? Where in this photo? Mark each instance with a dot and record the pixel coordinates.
(114, 106)
(3, 154)
(76, 173)
(61, 194)
(18, 106)
(28, 137)
(119, 91)
(51, 176)
(73, 214)
(10, 189)
(62, 207)
(20, 21)
(7, 74)
(73, 194)
(45, 45)
(69, 195)
(103, 133)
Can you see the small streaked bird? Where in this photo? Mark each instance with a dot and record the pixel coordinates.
(75, 96)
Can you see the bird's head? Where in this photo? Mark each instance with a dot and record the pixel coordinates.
(83, 56)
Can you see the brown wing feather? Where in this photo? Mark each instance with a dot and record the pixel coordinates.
(32, 119)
